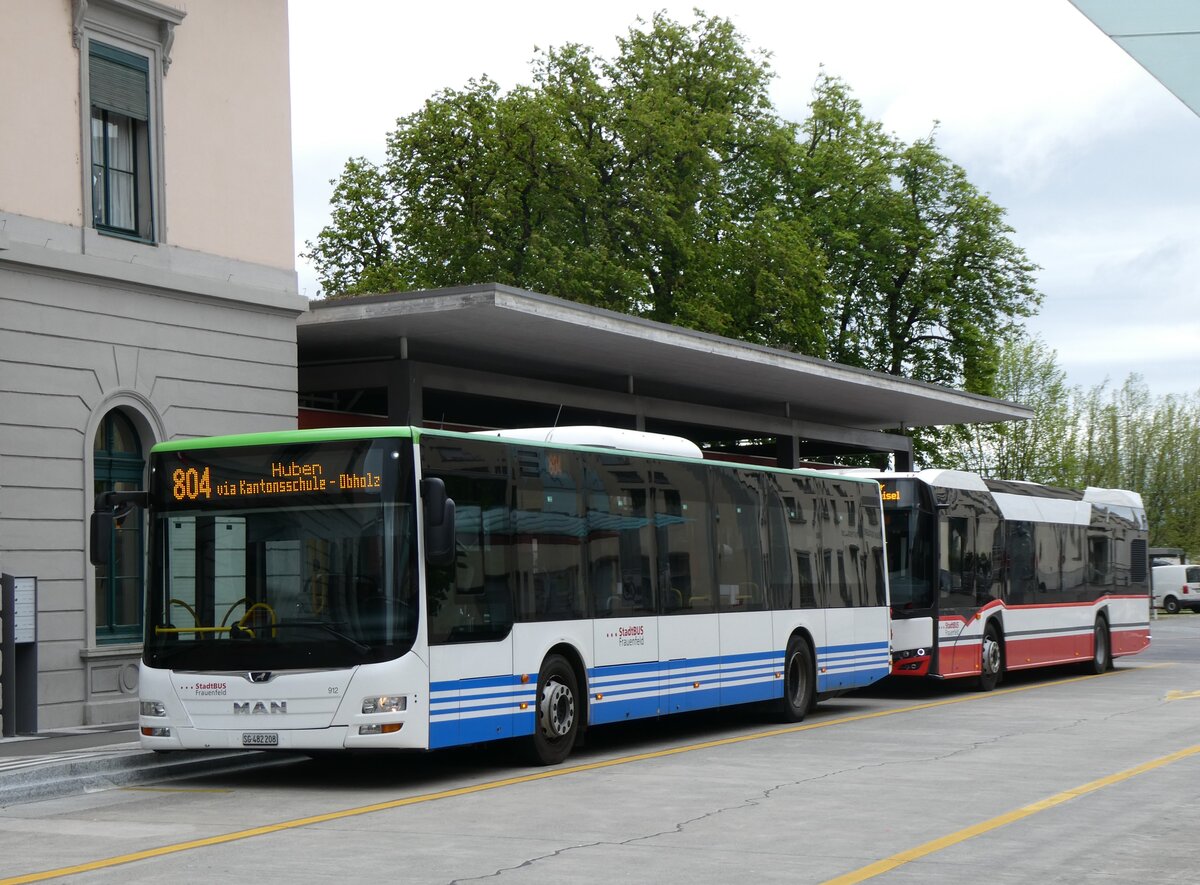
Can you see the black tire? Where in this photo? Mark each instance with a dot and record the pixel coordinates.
(557, 714)
(799, 682)
(1101, 660)
(1171, 605)
(991, 665)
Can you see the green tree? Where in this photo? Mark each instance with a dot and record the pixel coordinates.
(1133, 440)
(1112, 438)
(1042, 449)
(662, 183)
(928, 280)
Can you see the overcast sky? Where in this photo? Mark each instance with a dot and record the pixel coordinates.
(1094, 160)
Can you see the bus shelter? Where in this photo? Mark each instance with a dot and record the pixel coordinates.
(492, 356)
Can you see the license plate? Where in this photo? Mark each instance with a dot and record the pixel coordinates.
(260, 739)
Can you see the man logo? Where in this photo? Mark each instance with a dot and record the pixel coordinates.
(259, 708)
(260, 675)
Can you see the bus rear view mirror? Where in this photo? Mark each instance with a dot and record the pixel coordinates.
(111, 510)
(439, 523)
(100, 537)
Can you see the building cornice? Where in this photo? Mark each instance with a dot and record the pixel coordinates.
(157, 16)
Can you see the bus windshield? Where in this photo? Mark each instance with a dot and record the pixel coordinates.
(910, 552)
(298, 557)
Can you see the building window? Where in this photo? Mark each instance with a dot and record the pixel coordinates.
(119, 466)
(119, 85)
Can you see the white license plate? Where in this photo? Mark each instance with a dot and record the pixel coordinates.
(260, 739)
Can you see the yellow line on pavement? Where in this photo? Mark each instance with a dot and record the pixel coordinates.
(224, 838)
(1176, 695)
(897, 860)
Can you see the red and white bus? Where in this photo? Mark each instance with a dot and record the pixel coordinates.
(988, 575)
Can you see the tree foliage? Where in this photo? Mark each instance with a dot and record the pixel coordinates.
(662, 183)
(1108, 437)
(925, 275)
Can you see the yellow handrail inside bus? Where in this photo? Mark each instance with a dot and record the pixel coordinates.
(243, 601)
(177, 630)
(191, 611)
(251, 610)
(241, 624)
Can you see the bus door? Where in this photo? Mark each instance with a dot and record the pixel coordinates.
(624, 681)
(470, 604)
(970, 575)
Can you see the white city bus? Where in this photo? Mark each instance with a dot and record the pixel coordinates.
(987, 576)
(408, 588)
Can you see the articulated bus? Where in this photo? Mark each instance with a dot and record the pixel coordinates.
(988, 576)
(410, 588)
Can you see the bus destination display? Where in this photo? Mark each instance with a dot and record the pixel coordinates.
(230, 478)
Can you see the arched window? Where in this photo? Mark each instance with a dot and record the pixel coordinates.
(119, 466)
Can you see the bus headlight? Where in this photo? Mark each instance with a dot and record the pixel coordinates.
(153, 708)
(387, 703)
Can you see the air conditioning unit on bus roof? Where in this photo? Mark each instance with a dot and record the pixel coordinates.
(603, 438)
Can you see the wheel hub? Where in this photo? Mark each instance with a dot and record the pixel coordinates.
(557, 710)
(991, 655)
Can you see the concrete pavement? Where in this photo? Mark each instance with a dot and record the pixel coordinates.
(78, 760)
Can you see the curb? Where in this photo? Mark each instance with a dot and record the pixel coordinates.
(55, 778)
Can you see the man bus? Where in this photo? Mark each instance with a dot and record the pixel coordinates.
(410, 588)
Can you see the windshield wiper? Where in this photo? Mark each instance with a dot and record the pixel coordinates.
(328, 628)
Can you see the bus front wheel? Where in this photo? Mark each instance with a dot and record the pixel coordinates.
(992, 659)
(556, 717)
(798, 682)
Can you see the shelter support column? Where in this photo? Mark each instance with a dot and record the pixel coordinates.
(787, 451)
(405, 399)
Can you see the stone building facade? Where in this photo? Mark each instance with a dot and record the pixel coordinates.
(147, 290)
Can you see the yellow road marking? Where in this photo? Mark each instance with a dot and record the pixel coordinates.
(224, 838)
(1176, 695)
(897, 860)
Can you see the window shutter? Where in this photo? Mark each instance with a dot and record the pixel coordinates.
(119, 81)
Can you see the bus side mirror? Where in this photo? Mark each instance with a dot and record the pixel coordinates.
(100, 537)
(439, 523)
(111, 510)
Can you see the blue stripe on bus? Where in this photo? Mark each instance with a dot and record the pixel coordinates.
(461, 714)
(476, 682)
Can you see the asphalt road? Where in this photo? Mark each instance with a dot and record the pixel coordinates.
(1055, 777)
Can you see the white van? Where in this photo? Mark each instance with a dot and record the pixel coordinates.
(1176, 587)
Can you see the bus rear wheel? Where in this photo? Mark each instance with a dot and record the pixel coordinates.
(798, 683)
(992, 659)
(556, 717)
(1101, 649)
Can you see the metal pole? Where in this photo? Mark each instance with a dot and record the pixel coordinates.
(8, 657)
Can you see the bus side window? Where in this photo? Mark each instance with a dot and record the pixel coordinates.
(794, 541)
(471, 601)
(738, 548)
(683, 538)
(1074, 563)
(1022, 568)
(1048, 544)
(548, 532)
(619, 540)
